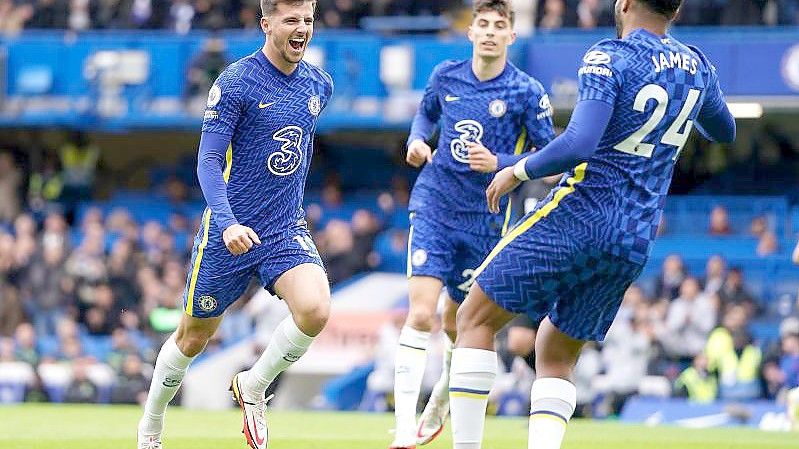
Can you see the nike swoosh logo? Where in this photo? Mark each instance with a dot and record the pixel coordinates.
(451, 98)
(265, 105)
(259, 440)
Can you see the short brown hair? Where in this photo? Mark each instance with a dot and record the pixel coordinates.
(500, 6)
(268, 7)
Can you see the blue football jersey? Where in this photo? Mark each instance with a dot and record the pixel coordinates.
(657, 86)
(271, 118)
(508, 114)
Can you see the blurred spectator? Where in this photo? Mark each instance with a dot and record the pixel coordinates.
(715, 273)
(593, 13)
(789, 362)
(552, 14)
(49, 14)
(121, 348)
(719, 222)
(25, 339)
(13, 18)
(779, 366)
(10, 184)
(768, 245)
(626, 354)
(364, 232)
(743, 12)
(338, 244)
(7, 350)
(131, 385)
(734, 358)
(181, 15)
(79, 18)
(667, 285)
(79, 159)
(43, 289)
(44, 188)
(690, 318)
(11, 311)
(81, 388)
(696, 382)
(734, 293)
(204, 68)
(342, 13)
(758, 226)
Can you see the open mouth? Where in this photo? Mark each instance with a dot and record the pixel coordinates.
(297, 43)
(489, 44)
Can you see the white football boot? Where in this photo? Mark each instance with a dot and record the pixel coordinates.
(255, 428)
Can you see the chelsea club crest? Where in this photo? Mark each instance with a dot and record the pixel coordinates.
(207, 303)
(314, 105)
(497, 108)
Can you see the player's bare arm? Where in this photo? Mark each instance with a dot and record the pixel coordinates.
(419, 152)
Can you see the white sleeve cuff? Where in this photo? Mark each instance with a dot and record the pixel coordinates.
(519, 171)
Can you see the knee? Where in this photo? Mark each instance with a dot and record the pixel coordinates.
(191, 343)
(521, 341)
(313, 318)
(421, 319)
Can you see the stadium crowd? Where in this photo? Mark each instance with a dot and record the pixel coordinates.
(182, 16)
(82, 286)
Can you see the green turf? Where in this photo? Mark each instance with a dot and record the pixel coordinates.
(90, 427)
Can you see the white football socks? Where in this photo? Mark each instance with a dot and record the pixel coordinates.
(170, 367)
(409, 367)
(287, 345)
(552, 403)
(471, 378)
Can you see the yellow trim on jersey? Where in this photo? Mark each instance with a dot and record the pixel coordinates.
(579, 175)
(507, 217)
(228, 163)
(465, 394)
(196, 269)
(520, 143)
(408, 271)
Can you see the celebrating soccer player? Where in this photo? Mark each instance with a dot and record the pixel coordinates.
(489, 113)
(255, 150)
(570, 260)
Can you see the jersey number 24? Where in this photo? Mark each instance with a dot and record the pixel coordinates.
(677, 133)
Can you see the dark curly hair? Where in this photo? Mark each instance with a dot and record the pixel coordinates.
(501, 6)
(666, 8)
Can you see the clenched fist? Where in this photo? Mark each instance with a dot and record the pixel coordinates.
(239, 239)
(418, 153)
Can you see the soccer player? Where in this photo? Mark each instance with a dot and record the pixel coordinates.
(254, 154)
(571, 259)
(487, 111)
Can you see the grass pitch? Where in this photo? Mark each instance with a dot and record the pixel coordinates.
(95, 427)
